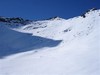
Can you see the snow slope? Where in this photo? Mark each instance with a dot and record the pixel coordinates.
(68, 47)
(12, 42)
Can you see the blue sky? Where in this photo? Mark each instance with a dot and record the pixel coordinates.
(43, 9)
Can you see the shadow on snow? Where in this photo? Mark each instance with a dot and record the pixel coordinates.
(12, 42)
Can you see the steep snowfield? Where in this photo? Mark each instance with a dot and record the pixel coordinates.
(52, 47)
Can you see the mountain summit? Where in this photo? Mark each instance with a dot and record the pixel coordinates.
(90, 10)
(55, 18)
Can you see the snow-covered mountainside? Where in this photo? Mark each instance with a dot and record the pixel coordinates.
(51, 47)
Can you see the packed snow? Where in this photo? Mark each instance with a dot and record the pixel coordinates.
(52, 47)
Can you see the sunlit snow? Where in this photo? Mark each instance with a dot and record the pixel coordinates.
(52, 47)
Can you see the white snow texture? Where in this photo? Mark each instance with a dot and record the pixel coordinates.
(52, 47)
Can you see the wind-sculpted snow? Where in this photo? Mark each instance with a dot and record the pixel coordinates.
(12, 42)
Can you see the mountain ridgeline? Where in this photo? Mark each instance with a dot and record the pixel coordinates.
(18, 20)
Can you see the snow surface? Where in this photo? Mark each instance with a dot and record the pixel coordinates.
(52, 47)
